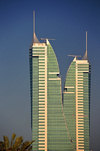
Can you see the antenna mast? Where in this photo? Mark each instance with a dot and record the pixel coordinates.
(33, 22)
(35, 40)
(86, 43)
(85, 57)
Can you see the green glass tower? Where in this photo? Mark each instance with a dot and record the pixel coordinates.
(76, 97)
(77, 103)
(60, 121)
(48, 125)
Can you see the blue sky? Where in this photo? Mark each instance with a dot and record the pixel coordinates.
(66, 21)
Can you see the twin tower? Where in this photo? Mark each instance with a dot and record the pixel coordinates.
(60, 119)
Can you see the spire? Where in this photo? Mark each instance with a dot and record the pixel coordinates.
(35, 40)
(85, 57)
(33, 22)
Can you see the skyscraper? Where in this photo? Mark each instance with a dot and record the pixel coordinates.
(77, 102)
(48, 127)
(76, 97)
(58, 124)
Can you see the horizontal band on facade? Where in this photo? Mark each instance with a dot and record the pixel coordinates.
(41, 70)
(69, 87)
(42, 100)
(41, 133)
(79, 139)
(42, 75)
(42, 117)
(41, 81)
(41, 84)
(54, 73)
(41, 146)
(42, 63)
(41, 96)
(41, 78)
(38, 55)
(54, 79)
(80, 76)
(41, 91)
(42, 59)
(35, 55)
(69, 92)
(80, 119)
(38, 45)
(79, 62)
(41, 149)
(42, 105)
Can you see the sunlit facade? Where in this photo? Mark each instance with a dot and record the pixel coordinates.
(60, 120)
(76, 97)
(48, 125)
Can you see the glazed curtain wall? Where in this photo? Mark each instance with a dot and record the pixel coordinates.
(34, 96)
(61, 129)
(57, 140)
(69, 99)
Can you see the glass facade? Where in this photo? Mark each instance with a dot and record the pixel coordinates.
(69, 97)
(77, 103)
(58, 123)
(56, 126)
(38, 82)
